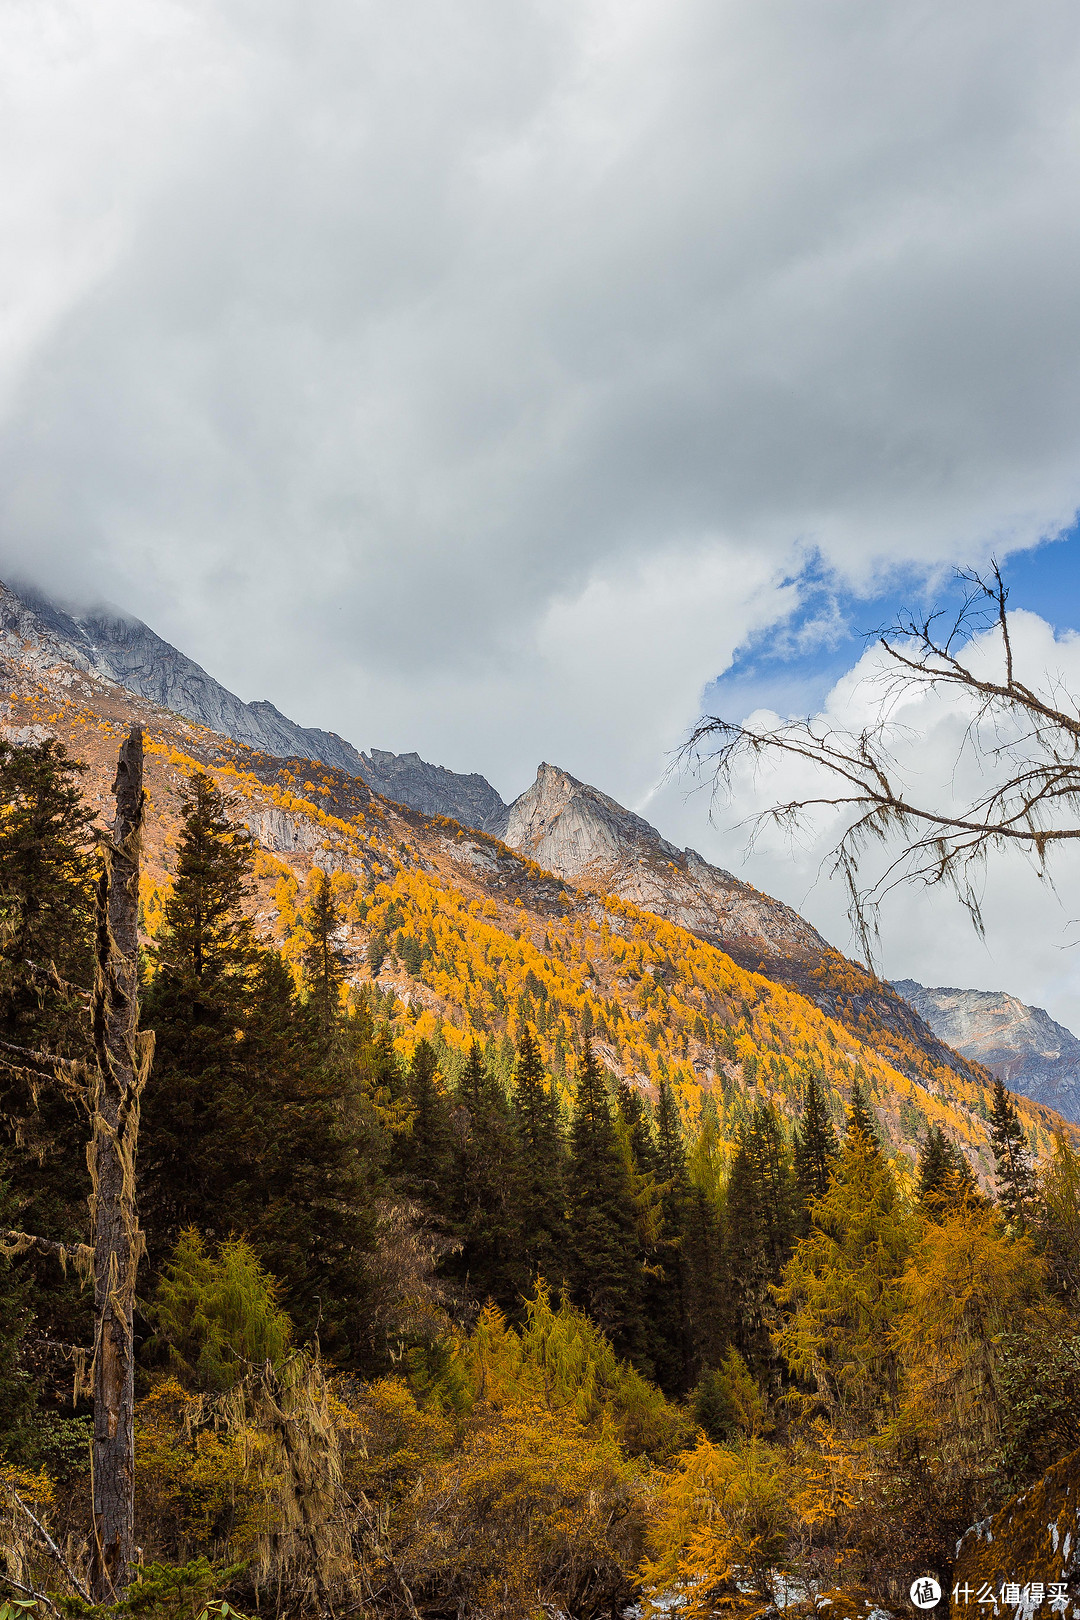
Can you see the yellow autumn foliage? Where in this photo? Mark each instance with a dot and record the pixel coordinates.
(967, 1284)
(719, 1521)
(196, 1486)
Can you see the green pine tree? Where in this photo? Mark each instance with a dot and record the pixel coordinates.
(945, 1179)
(708, 1261)
(861, 1117)
(421, 1160)
(708, 1286)
(252, 1126)
(324, 962)
(217, 1316)
(637, 1128)
(816, 1149)
(198, 1002)
(541, 1155)
(762, 1210)
(47, 879)
(668, 1292)
(604, 1261)
(303, 1152)
(1015, 1178)
(46, 898)
(482, 1208)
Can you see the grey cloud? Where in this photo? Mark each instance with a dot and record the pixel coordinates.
(412, 323)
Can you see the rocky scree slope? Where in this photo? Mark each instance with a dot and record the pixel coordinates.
(117, 647)
(464, 938)
(1023, 1045)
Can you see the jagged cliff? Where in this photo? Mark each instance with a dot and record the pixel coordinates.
(119, 648)
(586, 837)
(435, 791)
(1031, 1053)
(564, 825)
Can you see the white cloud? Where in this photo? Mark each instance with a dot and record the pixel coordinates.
(1032, 946)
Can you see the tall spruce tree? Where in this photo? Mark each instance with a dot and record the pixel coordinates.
(634, 1128)
(708, 1279)
(324, 963)
(944, 1177)
(46, 898)
(421, 1160)
(708, 1263)
(197, 1002)
(668, 1301)
(816, 1149)
(604, 1260)
(861, 1117)
(762, 1209)
(46, 972)
(304, 1156)
(247, 1129)
(1015, 1178)
(483, 1210)
(541, 1161)
(637, 1128)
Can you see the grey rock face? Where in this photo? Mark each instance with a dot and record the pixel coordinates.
(116, 647)
(585, 837)
(121, 649)
(435, 791)
(1024, 1046)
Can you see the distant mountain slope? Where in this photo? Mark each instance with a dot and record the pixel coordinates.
(590, 840)
(562, 824)
(476, 941)
(1023, 1045)
(120, 648)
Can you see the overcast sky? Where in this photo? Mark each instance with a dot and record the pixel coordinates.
(480, 378)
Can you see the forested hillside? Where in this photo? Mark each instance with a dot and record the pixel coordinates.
(509, 1250)
(474, 939)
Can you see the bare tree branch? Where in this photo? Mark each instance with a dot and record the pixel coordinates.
(40, 1597)
(19, 1242)
(1030, 742)
(43, 1063)
(50, 1545)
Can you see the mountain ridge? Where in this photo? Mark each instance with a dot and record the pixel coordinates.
(567, 827)
(463, 938)
(118, 647)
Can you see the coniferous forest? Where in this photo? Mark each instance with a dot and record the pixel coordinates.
(430, 1330)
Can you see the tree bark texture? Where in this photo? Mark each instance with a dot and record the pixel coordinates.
(117, 1078)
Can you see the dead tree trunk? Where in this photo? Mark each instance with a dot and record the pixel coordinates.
(116, 1081)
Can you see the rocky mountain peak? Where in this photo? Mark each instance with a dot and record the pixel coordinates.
(570, 828)
(1023, 1045)
(435, 791)
(586, 837)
